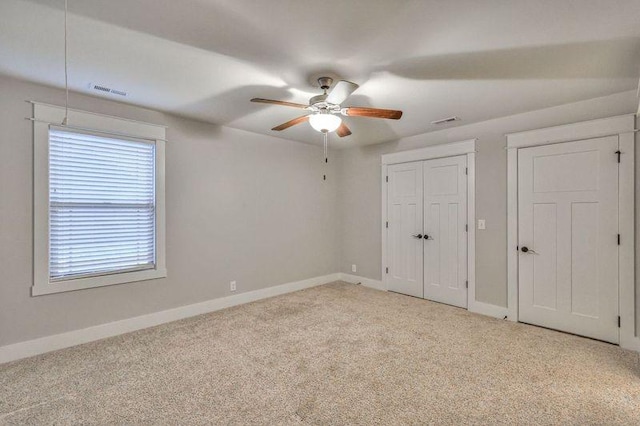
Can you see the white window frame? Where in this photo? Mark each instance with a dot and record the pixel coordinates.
(45, 115)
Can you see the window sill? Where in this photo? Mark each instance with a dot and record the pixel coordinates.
(39, 289)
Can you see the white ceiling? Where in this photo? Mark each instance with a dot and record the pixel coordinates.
(477, 59)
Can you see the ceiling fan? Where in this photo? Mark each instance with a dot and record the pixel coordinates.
(325, 110)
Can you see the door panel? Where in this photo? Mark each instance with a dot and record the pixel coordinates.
(568, 216)
(545, 280)
(445, 207)
(584, 259)
(404, 209)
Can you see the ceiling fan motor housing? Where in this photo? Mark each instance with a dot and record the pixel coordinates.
(317, 99)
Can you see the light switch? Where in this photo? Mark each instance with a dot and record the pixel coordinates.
(481, 224)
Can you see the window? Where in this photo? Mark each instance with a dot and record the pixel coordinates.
(101, 205)
(101, 200)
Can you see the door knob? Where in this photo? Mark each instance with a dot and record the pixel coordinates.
(526, 249)
(418, 236)
(426, 237)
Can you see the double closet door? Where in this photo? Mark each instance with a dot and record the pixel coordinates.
(427, 229)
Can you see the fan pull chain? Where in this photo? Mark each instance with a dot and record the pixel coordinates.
(326, 138)
(326, 159)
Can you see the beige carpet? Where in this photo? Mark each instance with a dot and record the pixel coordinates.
(336, 354)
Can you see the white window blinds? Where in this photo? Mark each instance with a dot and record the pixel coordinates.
(101, 205)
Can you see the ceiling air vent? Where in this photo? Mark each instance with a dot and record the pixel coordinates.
(445, 120)
(105, 89)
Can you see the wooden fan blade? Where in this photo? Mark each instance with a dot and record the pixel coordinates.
(343, 130)
(291, 123)
(373, 113)
(283, 103)
(341, 91)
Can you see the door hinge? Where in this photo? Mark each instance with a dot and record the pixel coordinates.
(387, 269)
(466, 228)
(618, 321)
(387, 179)
(618, 153)
(466, 284)
(466, 170)
(618, 239)
(387, 224)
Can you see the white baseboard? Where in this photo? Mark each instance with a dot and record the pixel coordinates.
(72, 338)
(367, 282)
(630, 342)
(488, 309)
(476, 307)
(481, 308)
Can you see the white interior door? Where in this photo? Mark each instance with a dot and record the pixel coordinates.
(404, 213)
(568, 233)
(445, 220)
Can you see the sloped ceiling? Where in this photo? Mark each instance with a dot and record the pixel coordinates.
(432, 59)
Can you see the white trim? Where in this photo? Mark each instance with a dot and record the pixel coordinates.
(626, 250)
(468, 148)
(367, 282)
(622, 126)
(512, 234)
(477, 307)
(148, 125)
(431, 152)
(383, 246)
(45, 114)
(471, 234)
(489, 310)
(39, 289)
(572, 132)
(72, 338)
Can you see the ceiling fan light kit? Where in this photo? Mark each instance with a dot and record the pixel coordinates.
(325, 121)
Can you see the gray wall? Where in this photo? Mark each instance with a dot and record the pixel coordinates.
(359, 191)
(246, 207)
(239, 206)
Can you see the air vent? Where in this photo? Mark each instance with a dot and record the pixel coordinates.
(105, 89)
(445, 120)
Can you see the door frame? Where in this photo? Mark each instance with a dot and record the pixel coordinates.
(622, 126)
(466, 147)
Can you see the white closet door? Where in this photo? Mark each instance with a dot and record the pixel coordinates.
(568, 230)
(404, 211)
(445, 244)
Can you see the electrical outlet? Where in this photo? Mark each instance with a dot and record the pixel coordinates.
(354, 268)
(482, 224)
(232, 286)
